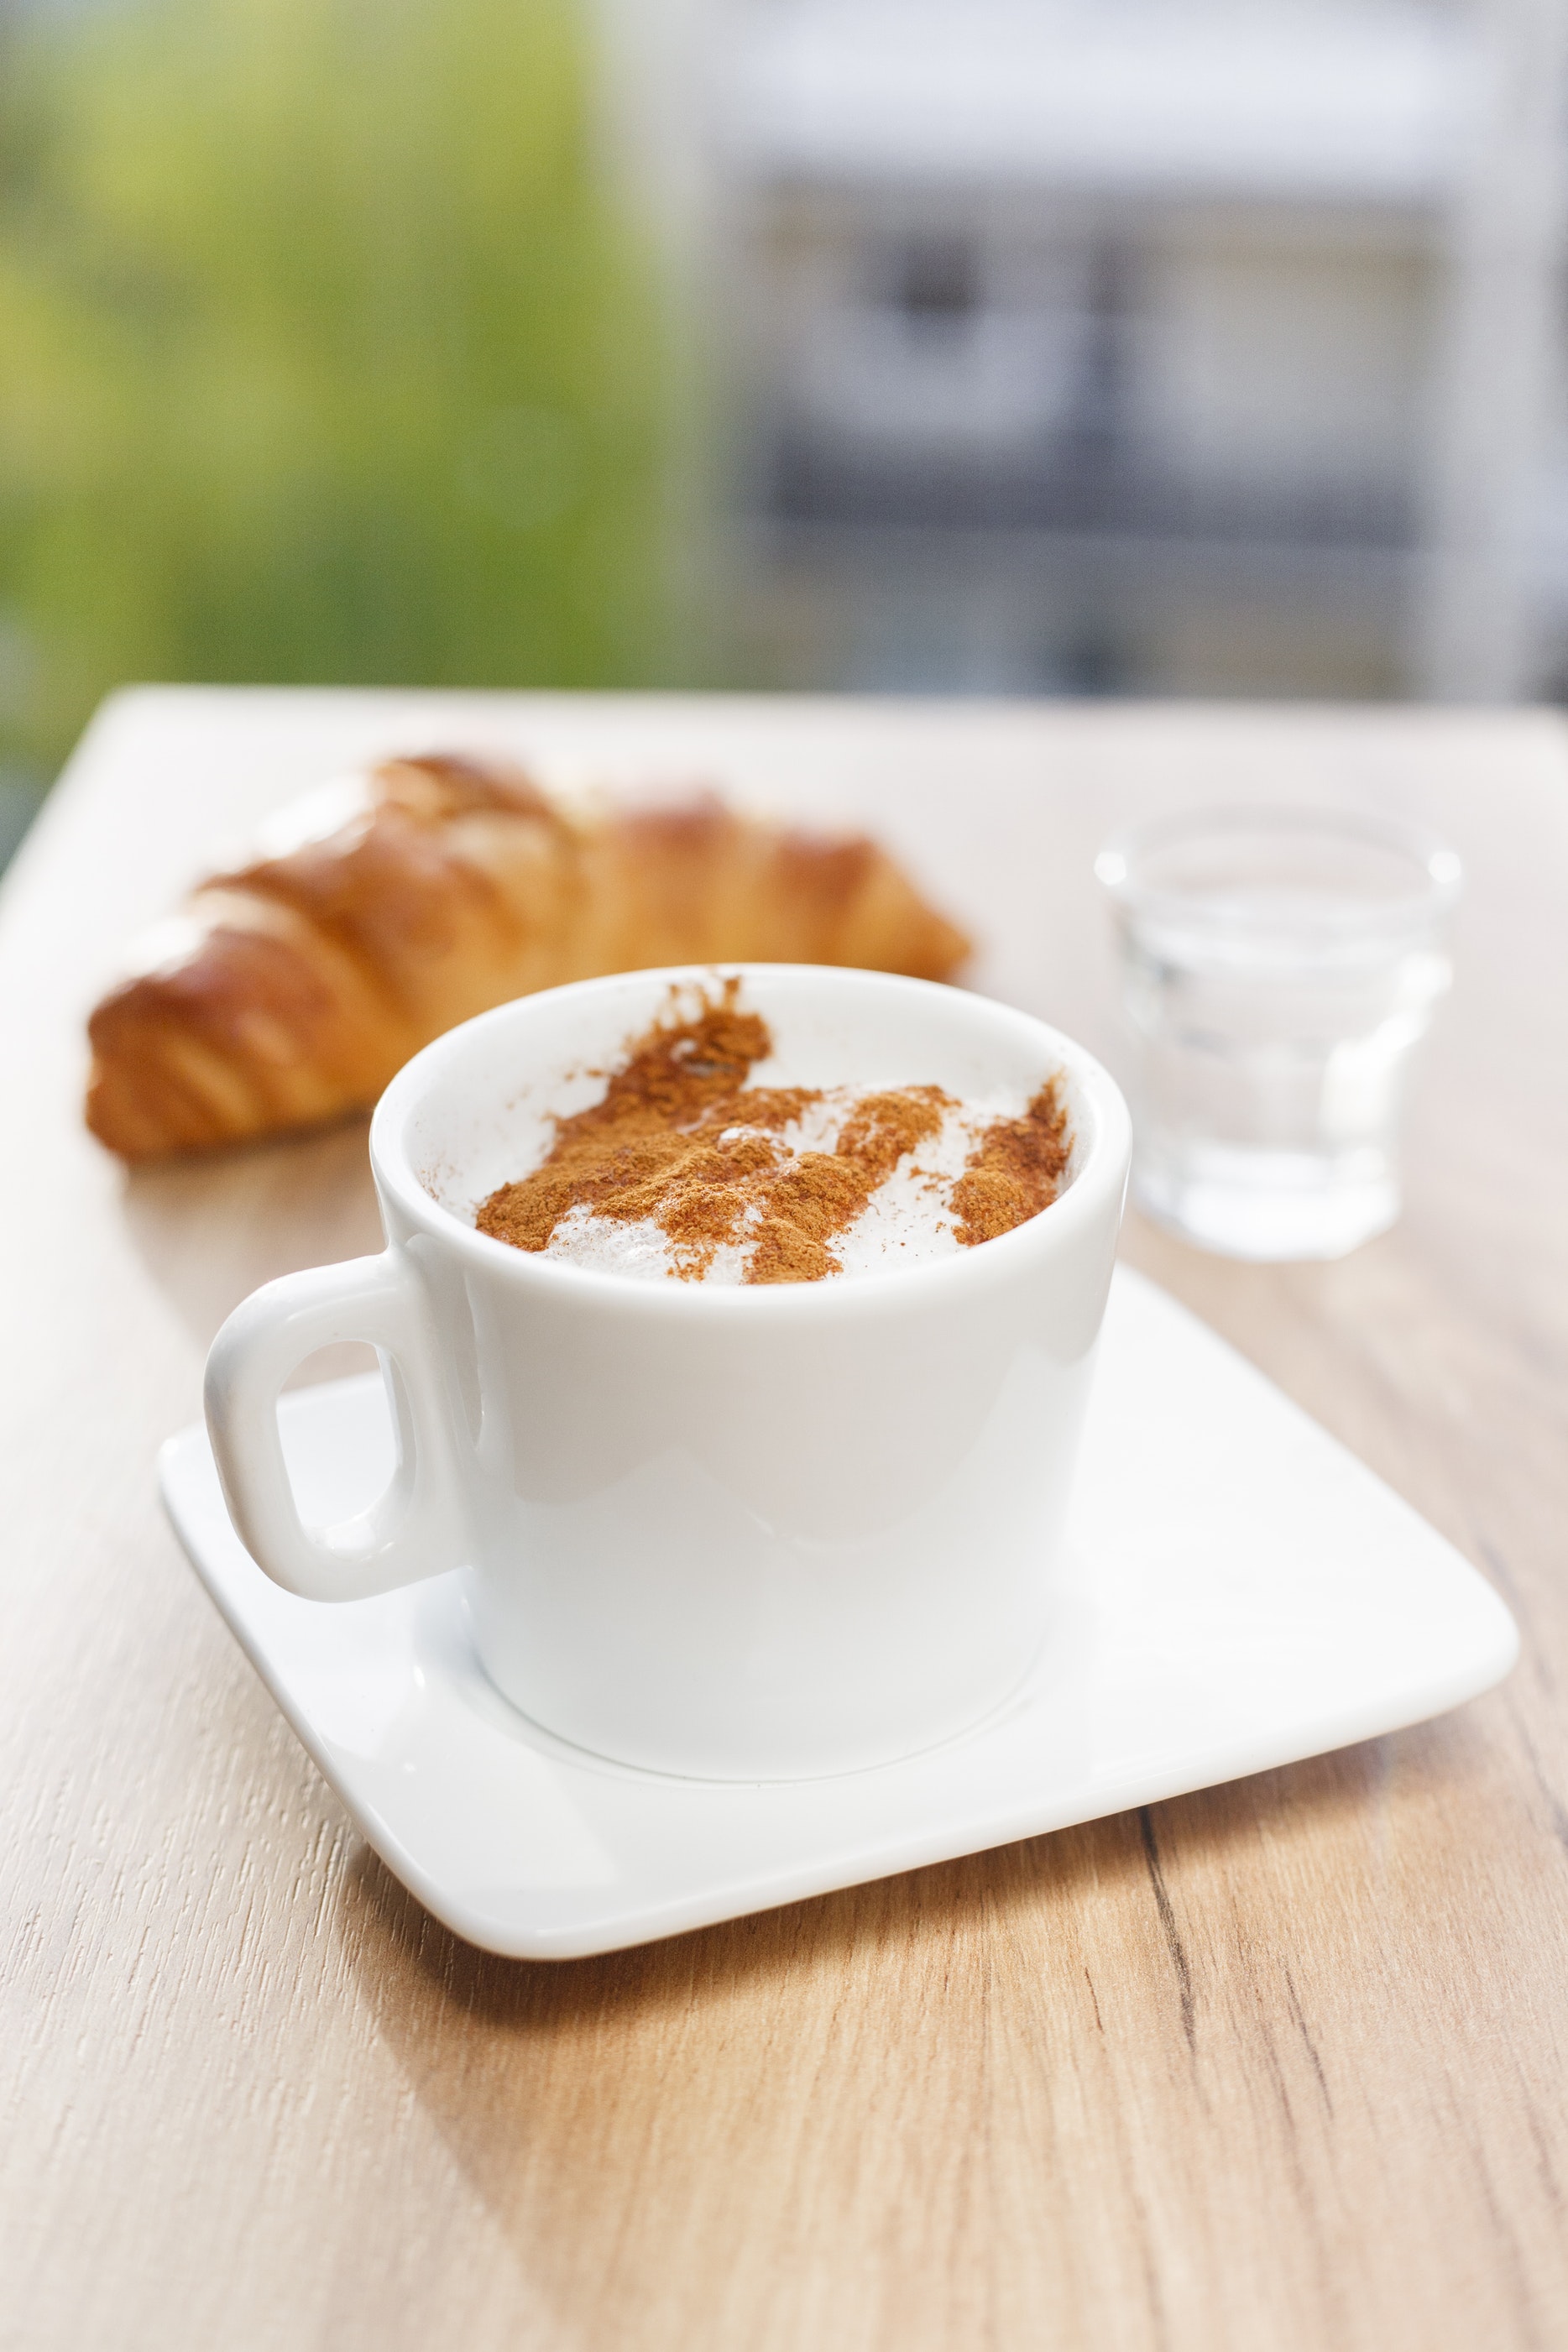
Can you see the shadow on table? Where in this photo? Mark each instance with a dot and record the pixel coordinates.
(211, 1229)
(604, 2109)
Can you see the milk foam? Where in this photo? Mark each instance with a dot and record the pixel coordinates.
(908, 1221)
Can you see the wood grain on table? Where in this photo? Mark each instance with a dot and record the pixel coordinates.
(1284, 2065)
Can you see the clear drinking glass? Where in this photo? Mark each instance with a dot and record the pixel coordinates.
(1278, 966)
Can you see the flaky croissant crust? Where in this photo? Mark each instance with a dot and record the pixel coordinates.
(406, 899)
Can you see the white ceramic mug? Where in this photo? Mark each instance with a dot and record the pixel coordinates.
(742, 1533)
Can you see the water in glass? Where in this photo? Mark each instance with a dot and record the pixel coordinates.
(1278, 969)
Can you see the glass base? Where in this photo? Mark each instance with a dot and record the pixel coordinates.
(1268, 1206)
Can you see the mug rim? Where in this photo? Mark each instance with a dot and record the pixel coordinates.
(1053, 1227)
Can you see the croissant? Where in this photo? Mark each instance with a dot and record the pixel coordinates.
(402, 901)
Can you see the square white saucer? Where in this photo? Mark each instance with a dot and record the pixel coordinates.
(1239, 1592)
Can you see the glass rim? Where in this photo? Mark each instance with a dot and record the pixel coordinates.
(1439, 876)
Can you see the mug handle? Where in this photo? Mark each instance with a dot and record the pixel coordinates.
(412, 1529)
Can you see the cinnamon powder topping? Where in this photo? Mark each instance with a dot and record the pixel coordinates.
(1015, 1170)
(680, 1141)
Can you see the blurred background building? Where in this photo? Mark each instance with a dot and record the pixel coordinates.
(1146, 345)
(1085, 346)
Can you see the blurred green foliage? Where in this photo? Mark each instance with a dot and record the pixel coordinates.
(325, 355)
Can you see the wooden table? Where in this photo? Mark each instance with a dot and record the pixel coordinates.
(1284, 2065)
